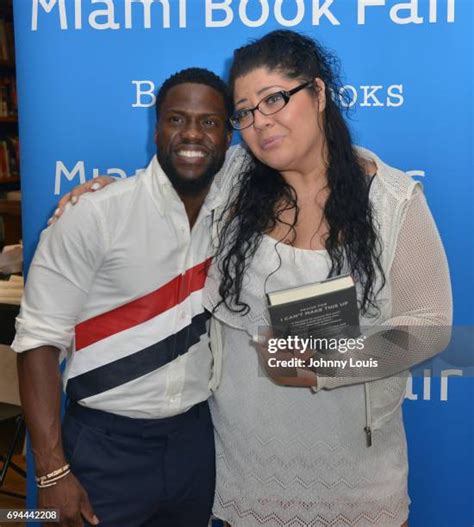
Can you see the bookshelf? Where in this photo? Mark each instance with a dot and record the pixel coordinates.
(9, 145)
(9, 155)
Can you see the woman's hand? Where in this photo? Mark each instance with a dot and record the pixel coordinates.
(73, 196)
(284, 367)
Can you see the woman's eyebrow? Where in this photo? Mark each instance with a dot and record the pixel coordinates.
(259, 92)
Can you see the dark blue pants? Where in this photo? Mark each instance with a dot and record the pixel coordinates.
(141, 472)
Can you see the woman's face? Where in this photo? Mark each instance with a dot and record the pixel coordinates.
(291, 139)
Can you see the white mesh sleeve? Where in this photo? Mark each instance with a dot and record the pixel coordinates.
(420, 325)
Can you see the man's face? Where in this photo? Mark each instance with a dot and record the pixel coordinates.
(191, 136)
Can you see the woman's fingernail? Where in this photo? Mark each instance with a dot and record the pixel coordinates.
(56, 212)
(258, 339)
(96, 186)
(74, 200)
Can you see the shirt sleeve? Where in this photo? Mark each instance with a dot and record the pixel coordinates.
(63, 268)
(420, 325)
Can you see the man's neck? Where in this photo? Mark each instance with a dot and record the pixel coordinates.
(193, 203)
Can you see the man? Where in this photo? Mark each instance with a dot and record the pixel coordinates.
(116, 285)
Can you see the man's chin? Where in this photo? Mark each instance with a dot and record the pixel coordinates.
(188, 184)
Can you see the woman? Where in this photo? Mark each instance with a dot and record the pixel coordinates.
(310, 205)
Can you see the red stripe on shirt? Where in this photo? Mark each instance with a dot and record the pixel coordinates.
(142, 309)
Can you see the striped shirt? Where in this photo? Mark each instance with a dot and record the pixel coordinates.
(116, 285)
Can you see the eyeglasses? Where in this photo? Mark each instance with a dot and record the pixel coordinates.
(269, 105)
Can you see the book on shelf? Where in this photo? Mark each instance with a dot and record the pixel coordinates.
(9, 157)
(10, 42)
(4, 164)
(8, 98)
(7, 42)
(326, 309)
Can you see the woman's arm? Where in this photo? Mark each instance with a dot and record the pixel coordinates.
(420, 325)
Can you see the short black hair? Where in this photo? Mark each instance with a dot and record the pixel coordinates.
(196, 76)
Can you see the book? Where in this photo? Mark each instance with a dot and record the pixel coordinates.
(12, 146)
(4, 162)
(326, 309)
(3, 41)
(10, 41)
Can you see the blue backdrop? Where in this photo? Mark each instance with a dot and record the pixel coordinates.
(86, 72)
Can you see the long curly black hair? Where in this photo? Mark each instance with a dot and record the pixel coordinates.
(352, 241)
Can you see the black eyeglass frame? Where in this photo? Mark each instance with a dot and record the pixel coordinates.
(286, 94)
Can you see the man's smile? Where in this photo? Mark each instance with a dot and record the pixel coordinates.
(191, 153)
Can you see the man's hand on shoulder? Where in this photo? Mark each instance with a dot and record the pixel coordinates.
(71, 500)
(72, 197)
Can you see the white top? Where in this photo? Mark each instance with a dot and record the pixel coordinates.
(288, 456)
(116, 284)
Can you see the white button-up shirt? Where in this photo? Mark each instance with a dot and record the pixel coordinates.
(117, 284)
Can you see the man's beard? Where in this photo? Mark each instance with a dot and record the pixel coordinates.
(190, 187)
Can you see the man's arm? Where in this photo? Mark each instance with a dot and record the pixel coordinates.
(41, 405)
(61, 275)
(40, 392)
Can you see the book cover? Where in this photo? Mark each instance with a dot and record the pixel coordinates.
(324, 310)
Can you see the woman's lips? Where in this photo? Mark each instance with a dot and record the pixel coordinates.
(271, 142)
